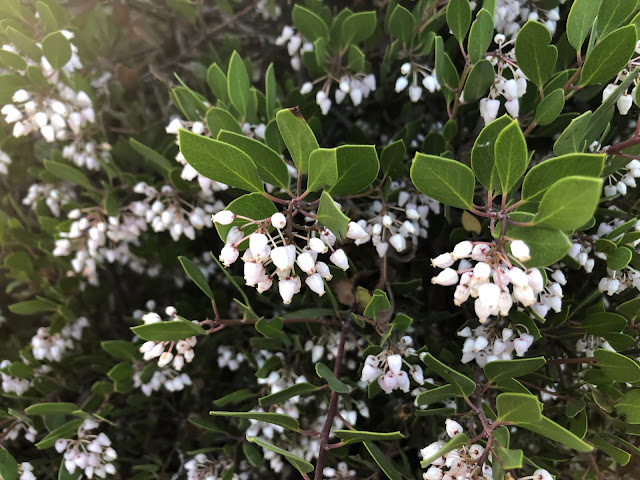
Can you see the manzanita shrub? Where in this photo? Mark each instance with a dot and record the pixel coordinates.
(264, 239)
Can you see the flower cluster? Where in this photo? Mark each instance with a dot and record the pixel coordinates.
(13, 384)
(5, 161)
(168, 378)
(54, 196)
(90, 453)
(25, 469)
(511, 87)
(487, 344)
(296, 45)
(201, 467)
(510, 15)
(387, 366)
(265, 250)
(626, 180)
(341, 472)
(413, 71)
(164, 350)
(53, 347)
(357, 86)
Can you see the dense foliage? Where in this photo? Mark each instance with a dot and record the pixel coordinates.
(260, 239)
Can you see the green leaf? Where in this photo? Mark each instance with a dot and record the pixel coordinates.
(509, 459)
(270, 328)
(217, 81)
(353, 436)
(250, 205)
(284, 421)
(192, 104)
(446, 72)
(630, 308)
(447, 181)
(436, 394)
(271, 167)
(220, 161)
(569, 203)
(618, 367)
(502, 369)
(331, 216)
(168, 331)
(379, 302)
(480, 36)
(207, 424)
(392, 158)
(629, 407)
(620, 258)
(483, 154)
(122, 372)
(297, 136)
(49, 408)
(358, 27)
(25, 45)
(159, 160)
(68, 173)
(511, 156)
(29, 307)
(518, 408)
(480, 78)
(456, 442)
(603, 323)
(66, 430)
(546, 173)
(303, 388)
(323, 168)
(12, 60)
(195, 274)
(580, 19)
(219, 119)
(238, 84)
(552, 430)
(355, 59)
(8, 466)
(310, 25)
(252, 454)
(233, 398)
(550, 107)
(383, 462)
(334, 384)
(358, 167)
(459, 18)
(299, 464)
(612, 14)
(120, 349)
(56, 49)
(609, 56)
(270, 93)
(620, 456)
(571, 140)
(463, 384)
(574, 407)
(536, 58)
(401, 24)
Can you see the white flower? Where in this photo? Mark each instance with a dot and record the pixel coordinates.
(306, 88)
(165, 359)
(323, 269)
(228, 255)
(398, 242)
(225, 217)
(624, 104)
(284, 257)
(415, 92)
(443, 260)
(253, 273)
(356, 232)
(306, 263)
(395, 363)
(453, 428)
(520, 250)
(489, 295)
(446, 277)
(388, 382)
(489, 109)
(513, 107)
(257, 243)
(401, 84)
(522, 344)
(462, 249)
(541, 474)
(315, 283)
(287, 289)
(339, 259)
(317, 245)
(278, 220)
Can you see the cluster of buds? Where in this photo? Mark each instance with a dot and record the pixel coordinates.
(387, 227)
(627, 179)
(201, 467)
(413, 71)
(5, 161)
(54, 196)
(488, 280)
(90, 453)
(387, 366)
(13, 384)
(53, 347)
(625, 101)
(87, 153)
(164, 350)
(25, 471)
(357, 86)
(296, 45)
(341, 472)
(265, 250)
(512, 89)
(588, 345)
(164, 210)
(168, 378)
(510, 15)
(486, 345)
(458, 464)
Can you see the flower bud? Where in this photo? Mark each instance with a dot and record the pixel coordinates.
(520, 250)
(446, 277)
(339, 259)
(317, 245)
(624, 104)
(306, 88)
(323, 269)
(278, 220)
(315, 283)
(462, 249)
(306, 263)
(284, 257)
(356, 232)
(405, 69)
(415, 92)
(395, 363)
(257, 242)
(253, 273)
(225, 217)
(443, 260)
(453, 428)
(287, 289)
(398, 242)
(401, 84)
(228, 255)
